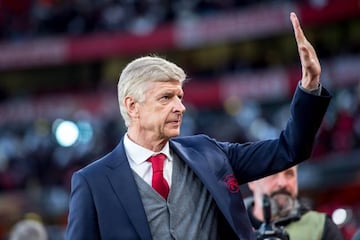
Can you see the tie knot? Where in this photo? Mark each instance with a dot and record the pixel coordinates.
(157, 161)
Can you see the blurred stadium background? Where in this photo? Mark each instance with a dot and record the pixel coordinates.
(60, 61)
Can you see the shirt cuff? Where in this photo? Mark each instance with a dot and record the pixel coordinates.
(316, 92)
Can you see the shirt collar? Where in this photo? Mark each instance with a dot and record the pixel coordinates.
(139, 154)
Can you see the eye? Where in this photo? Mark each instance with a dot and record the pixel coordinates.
(290, 174)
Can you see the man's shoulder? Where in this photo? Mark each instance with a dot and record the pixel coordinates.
(92, 167)
(193, 140)
(107, 160)
(199, 142)
(314, 216)
(190, 138)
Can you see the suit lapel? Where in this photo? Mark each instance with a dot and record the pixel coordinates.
(121, 178)
(217, 187)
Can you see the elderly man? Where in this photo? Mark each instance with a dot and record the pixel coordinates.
(157, 185)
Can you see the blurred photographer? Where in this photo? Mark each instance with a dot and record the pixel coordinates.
(286, 210)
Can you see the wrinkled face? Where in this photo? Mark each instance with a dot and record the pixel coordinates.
(282, 187)
(160, 114)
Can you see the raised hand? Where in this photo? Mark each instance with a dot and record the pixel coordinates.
(311, 68)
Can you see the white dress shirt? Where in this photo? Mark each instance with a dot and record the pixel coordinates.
(137, 156)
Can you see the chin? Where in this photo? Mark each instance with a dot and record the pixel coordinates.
(173, 133)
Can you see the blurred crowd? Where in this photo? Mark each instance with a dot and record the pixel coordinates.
(26, 19)
(341, 129)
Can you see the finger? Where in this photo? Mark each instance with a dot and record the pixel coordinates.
(306, 56)
(299, 34)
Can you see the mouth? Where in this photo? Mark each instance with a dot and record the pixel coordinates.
(174, 122)
(283, 203)
(280, 192)
(177, 122)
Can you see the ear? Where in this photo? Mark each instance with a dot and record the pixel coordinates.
(131, 107)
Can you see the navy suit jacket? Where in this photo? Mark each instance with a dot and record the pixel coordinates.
(105, 202)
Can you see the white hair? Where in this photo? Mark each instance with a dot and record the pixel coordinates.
(139, 73)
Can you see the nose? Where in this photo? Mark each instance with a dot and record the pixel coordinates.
(281, 181)
(179, 106)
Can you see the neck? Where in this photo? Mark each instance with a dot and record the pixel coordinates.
(149, 142)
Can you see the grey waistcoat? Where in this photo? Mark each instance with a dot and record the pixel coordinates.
(189, 212)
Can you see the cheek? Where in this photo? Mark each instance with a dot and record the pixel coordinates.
(148, 112)
(268, 184)
(152, 117)
(147, 115)
(265, 187)
(295, 187)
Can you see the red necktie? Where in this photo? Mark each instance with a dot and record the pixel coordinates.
(158, 181)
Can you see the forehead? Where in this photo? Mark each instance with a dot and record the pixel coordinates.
(171, 85)
(284, 172)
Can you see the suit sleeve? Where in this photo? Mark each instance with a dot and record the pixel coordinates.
(82, 223)
(251, 161)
